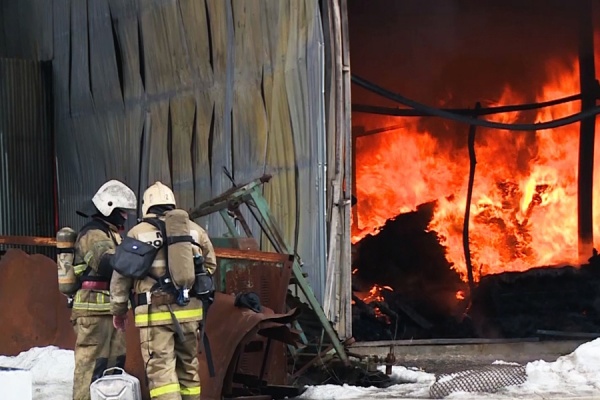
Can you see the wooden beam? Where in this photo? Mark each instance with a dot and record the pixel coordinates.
(234, 254)
(28, 241)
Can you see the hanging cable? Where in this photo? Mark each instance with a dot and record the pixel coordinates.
(430, 111)
(409, 112)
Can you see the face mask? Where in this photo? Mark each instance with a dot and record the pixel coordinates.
(117, 218)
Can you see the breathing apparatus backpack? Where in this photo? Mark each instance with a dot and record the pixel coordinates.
(180, 254)
(68, 283)
(68, 262)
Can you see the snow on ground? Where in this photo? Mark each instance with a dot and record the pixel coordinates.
(576, 375)
(51, 369)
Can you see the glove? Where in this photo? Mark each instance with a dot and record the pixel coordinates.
(119, 322)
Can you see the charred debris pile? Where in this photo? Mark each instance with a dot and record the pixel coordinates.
(404, 288)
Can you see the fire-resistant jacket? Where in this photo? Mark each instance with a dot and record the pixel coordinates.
(89, 250)
(121, 286)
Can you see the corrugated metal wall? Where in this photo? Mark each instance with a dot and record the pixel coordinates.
(176, 90)
(26, 152)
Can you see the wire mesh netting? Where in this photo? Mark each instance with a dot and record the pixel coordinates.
(487, 379)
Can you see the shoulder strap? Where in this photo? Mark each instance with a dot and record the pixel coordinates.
(160, 225)
(93, 224)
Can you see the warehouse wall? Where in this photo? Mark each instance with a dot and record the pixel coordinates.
(175, 90)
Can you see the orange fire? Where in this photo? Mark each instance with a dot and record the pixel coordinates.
(460, 295)
(524, 205)
(374, 294)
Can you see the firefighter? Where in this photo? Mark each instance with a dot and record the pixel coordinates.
(98, 343)
(168, 324)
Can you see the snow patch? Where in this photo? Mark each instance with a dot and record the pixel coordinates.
(576, 375)
(51, 369)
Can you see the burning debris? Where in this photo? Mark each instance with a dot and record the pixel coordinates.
(404, 288)
(524, 205)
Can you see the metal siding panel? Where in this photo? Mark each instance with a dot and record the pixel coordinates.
(281, 191)
(222, 34)
(26, 192)
(249, 120)
(27, 27)
(182, 112)
(104, 75)
(313, 233)
(194, 15)
(259, 48)
(125, 23)
(201, 152)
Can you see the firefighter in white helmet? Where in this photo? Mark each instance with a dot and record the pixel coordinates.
(99, 345)
(167, 312)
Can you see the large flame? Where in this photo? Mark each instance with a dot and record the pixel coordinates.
(524, 205)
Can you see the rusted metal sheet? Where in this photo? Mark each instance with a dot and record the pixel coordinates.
(252, 256)
(270, 280)
(230, 330)
(35, 313)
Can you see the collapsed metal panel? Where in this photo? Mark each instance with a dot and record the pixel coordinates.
(267, 275)
(26, 150)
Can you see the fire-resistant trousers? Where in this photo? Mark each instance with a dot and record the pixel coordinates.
(99, 346)
(171, 365)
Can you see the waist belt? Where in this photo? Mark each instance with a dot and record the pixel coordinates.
(156, 299)
(95, 285)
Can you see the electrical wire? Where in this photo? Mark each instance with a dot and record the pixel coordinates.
(431, 111)
(409, 112)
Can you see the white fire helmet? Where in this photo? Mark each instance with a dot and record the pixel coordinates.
(157, 194)
(114, 194)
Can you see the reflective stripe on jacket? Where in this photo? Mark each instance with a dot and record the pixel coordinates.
(92, 301)
(160, 315)
(90, 248)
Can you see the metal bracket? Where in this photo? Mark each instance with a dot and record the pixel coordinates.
(250, 195)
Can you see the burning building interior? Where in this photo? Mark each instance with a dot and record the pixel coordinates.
(523, 265)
